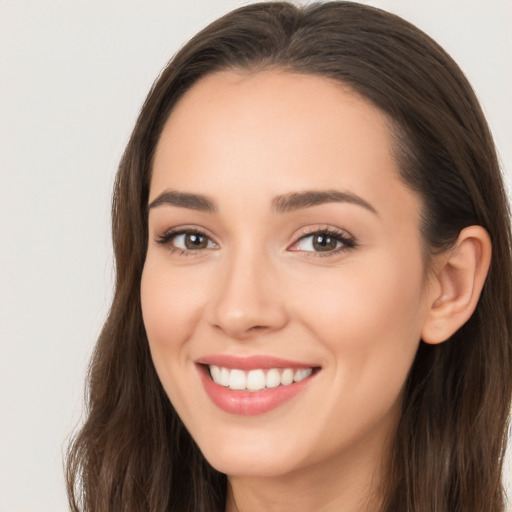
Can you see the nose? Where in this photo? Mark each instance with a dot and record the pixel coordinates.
(248, 299)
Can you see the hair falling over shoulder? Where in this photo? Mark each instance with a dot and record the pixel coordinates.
(133, 453)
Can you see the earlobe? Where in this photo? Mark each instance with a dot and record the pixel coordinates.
(459, 280)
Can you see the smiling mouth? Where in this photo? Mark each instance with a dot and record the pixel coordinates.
(253, 385)
(257, 379)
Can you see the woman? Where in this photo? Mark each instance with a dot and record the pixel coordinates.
(313, 280)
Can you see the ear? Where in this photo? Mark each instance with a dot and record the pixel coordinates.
(459, 276)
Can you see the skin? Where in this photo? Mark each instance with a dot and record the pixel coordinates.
(260, 288)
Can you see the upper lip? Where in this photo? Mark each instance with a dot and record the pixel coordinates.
(251, 362)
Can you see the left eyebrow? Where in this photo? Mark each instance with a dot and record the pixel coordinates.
(298, 200)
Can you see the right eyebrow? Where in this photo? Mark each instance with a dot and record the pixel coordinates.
(184, 200)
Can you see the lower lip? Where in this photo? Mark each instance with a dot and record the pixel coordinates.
(249, 403)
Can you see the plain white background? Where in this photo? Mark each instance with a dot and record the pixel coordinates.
(73, 76)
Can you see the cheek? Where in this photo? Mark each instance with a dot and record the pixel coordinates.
(364, 299)
(369, 317)
(171, 307)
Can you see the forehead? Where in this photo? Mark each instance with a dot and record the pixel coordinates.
(274, 105)
(273, 131)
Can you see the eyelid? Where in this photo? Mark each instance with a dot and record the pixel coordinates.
(166, 238)
(347, 241)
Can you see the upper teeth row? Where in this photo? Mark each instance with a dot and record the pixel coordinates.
(254, 380)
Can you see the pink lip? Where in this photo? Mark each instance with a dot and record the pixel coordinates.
(249, 403)
(250, 362)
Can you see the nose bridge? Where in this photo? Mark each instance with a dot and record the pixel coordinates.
(248, 298)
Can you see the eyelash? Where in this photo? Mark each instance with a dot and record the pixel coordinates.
(347, 242)
(167, 238)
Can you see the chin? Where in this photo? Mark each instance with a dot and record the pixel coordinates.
(252, 461)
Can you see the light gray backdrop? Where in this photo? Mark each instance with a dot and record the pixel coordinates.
(72, 78)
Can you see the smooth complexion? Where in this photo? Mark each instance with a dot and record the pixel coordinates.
(246, 267)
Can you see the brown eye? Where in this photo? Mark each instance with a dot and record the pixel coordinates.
(194, 241)
(187, 241)
(323, 243)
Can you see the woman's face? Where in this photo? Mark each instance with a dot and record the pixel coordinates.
(282, 246)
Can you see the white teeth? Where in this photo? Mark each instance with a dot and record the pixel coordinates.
(287, 377)
(215, 373)
(224, 377)
(256, 380)
(273, 378)
(302, 374)
(237, 379)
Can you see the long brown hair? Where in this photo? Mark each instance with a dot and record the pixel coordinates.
(133, 453)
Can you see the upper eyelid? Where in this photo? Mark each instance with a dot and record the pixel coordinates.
(304, 233)
(179, 230)
(348, 241)
(167, 236)
(326, 229)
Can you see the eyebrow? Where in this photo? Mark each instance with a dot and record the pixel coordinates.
(184, 200)
(298, 200)
(280, 204)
